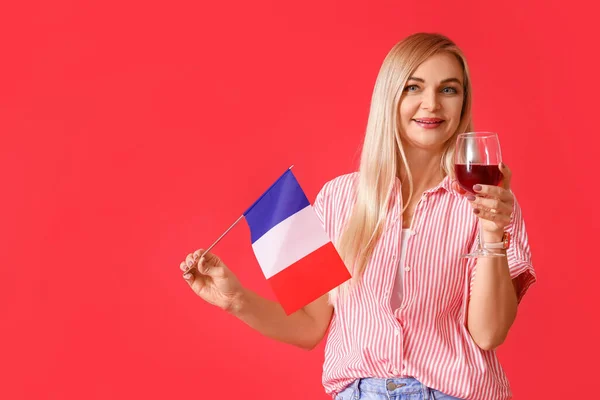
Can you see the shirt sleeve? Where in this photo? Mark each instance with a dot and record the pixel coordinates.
(519, 253)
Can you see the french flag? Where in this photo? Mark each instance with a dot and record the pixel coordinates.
(291, 246)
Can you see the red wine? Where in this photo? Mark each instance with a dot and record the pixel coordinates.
(473, 174)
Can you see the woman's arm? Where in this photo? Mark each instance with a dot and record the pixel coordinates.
(304, 328)
(493, 302)
(214, 282)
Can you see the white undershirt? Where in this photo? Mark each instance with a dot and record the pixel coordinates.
(397, 294)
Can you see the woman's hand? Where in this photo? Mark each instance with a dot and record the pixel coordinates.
(210, 279)
(494, 206)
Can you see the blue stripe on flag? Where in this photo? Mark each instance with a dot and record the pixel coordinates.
(282, 200)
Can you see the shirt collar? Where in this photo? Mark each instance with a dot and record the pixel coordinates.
(396, 200)
(445, 184)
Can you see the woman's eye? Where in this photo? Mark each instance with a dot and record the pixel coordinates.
(411, 88)
(449, 90)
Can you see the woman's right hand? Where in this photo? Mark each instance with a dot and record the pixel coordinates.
(212, 280)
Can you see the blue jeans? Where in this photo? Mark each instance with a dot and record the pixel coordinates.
(390, 389)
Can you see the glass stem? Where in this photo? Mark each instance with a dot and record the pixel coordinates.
(481, 236)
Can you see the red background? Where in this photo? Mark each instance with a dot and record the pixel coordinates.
(133, 133)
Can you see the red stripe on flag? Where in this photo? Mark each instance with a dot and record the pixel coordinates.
(309, 278)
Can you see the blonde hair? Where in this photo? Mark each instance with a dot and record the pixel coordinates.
(383, 156)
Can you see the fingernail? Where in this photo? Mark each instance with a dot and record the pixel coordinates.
(501, 165)
(477, 188)
(195, 256)
(189, 263)
(476, 211)
(187, 276)
(471, 197)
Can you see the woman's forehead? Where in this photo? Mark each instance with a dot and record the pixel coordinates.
(438, 68)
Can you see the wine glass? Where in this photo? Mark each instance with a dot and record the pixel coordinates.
(476, 161)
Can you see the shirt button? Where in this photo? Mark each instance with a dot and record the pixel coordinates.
(407, 268)
(397, 332)
(396, 372)
(413, 233)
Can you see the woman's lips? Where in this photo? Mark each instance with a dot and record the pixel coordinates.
(428, 123)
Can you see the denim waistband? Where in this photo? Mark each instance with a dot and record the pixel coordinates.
(391, 386)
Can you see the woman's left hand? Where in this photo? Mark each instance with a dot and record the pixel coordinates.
(494, 205)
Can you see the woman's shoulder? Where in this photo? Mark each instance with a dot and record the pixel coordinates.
(341, 185)
(334, 201)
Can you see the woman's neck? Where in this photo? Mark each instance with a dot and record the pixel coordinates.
(425, 168)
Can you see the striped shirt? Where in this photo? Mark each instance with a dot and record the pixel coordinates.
(426, 337)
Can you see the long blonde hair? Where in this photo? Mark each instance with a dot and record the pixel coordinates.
(383, 156)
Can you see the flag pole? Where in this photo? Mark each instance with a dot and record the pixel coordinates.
(220, 237)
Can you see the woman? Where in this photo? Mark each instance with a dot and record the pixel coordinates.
(416, 319)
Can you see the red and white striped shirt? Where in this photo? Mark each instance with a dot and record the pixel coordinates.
(426, 337)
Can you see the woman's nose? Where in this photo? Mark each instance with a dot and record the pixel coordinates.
(430, 101)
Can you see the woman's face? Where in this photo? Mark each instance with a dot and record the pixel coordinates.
(431, 104)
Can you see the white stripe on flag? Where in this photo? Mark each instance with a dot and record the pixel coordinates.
(289, 241)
